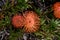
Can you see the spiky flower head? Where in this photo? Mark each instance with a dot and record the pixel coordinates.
(32, 21)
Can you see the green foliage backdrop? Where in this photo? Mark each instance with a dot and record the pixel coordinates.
(50, 26)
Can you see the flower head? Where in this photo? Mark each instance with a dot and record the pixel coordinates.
(32, 21)
(56, 8)
(17, 21)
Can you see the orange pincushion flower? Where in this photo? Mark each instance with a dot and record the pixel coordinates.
(32, 21)
(17, 21)
(56, 8)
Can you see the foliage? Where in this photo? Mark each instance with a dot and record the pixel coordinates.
(49, 28)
